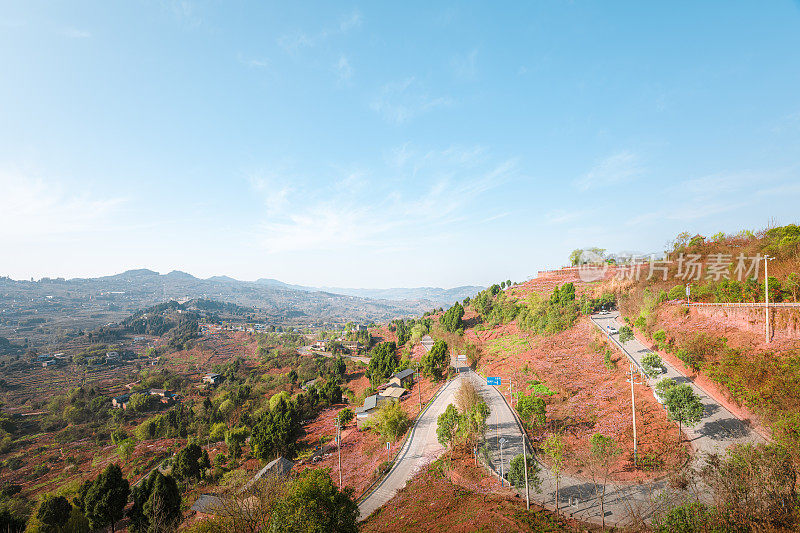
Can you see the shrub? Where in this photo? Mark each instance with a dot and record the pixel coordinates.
(532, 408)
(391, 422)
(652, 365)
(516, 473)
(346, 415)
(677, 292)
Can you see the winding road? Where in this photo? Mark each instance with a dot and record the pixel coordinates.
(420, 449)
(718, 430)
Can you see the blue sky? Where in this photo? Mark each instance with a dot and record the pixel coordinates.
(397, 144)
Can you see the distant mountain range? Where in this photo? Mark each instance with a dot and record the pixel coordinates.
(438, 297)
(35, 309)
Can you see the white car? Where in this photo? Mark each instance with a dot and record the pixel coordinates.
(612, 330)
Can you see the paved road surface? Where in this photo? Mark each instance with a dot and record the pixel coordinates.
(421, 448)
(718, 429)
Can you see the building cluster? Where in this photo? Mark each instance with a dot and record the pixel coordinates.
(209, 329)
(166, 397)
(391, 391)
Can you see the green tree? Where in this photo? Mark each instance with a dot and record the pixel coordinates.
(51, 514)
(652, 365)
(156, 505)
(391, 421)
(163, 506)
(447, 425)
(532, 408)
(602, 451)
(683, 405)
(276, 431)
(315, 505)
(190, 462)
(235, 438)
(755, 486)
(125, 449)
(103, 501)
(625, 334)
(382, 363)
(10, 523)
(516, 473)
(345, 416)
(451, 320)
(553, 447)
(435, 362)
(339, 367)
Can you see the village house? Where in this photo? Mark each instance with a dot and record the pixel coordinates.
(352, 346)
(318, 345)
(370, 407)
(120, 402)
(212, 379)
(393, 393)
(404, 378)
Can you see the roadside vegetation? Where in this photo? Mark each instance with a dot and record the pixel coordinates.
(762, 379)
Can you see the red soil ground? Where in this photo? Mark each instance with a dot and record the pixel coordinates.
(589, 398)
(466, 500)
(681, 326)
(362, 451)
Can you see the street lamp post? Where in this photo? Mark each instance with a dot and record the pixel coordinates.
(633, 411)
(525, 464)
(502, 477)
(766, 295)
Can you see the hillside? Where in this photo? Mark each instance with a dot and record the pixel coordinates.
(39, 310)
(722, 340)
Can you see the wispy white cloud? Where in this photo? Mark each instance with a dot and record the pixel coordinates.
(562, 216)
(183, 10)
(465, 65)
(714, 194)
(399, 102)
(74, 33)
(257, 63)
(294, 42)
(274, 191)
(346, 215)
(343, 69)
(617, 168)
(32, 207)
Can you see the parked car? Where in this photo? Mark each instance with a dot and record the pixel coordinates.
(612, 330)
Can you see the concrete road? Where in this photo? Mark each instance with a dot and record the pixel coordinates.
(421, 448)
(718, 429)
(577, 497)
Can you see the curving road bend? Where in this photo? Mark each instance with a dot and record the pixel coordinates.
(718, 430)
(421, 448)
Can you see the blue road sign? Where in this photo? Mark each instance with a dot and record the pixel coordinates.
(493, 381)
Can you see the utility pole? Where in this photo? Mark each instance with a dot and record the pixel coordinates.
(525, 464)
(633, 410)
(502, 477)
(339, 446)
(419, 389)
(766, 295)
